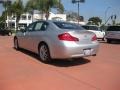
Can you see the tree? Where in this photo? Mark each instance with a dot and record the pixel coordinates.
(16, 9)
(31, 6)
(44, 6)
(95, 20)
(60, 8)
(73, 16)
(2, 20)
(6, 5)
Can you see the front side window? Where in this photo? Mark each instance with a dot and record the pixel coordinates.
(38, 26)
(30, 27)
(41, 26)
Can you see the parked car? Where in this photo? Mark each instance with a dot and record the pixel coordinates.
(112, 34)
(4, 32)
(95, 29)
(57, 40)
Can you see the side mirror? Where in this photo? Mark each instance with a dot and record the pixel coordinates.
(23, 30)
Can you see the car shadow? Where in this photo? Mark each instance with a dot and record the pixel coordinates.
(113, 42)
(69, 62)
(59, 62)
(26, 52)
(102, 41)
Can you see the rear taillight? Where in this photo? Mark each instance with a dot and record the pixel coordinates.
(94, 38)
(67, 37)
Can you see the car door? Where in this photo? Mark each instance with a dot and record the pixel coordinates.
(36, 35)
(26, 35)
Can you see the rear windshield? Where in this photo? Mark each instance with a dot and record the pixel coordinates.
(91, 28)
(113, 28)
(65, 25)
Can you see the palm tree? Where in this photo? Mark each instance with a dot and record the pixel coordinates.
(60, 7)
(31, 6)
(2, 20)
(17, 8)
(6, 5)
(48, 4)
(44, 6)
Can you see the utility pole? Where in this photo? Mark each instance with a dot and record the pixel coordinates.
(78, 1)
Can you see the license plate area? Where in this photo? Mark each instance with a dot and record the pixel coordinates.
(87, 52)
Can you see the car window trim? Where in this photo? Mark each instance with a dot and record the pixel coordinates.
(29, 27)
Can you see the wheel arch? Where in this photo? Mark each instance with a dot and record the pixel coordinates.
(15, 37)
(43, 42)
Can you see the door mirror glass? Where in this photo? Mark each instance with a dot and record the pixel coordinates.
(23, 30)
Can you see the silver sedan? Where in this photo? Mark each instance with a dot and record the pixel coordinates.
(57, 40)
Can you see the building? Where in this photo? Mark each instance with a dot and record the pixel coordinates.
(24, 21)
(81, 22)
(52, 16)
(28, 18)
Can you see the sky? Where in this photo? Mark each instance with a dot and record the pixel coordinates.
(91, 8)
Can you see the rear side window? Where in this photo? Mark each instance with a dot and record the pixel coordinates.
(65, 25)
(113, 28)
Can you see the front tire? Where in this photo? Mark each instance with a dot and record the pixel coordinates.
(16, 45)
(44, 53)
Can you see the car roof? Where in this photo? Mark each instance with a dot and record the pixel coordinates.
(51, 21)
(90, 25)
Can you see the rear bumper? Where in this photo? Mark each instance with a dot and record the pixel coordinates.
(68, 50)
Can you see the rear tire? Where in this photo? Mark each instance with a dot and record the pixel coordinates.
(103, 39)
(44, 53)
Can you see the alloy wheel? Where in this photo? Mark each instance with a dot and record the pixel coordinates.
(44, 53)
